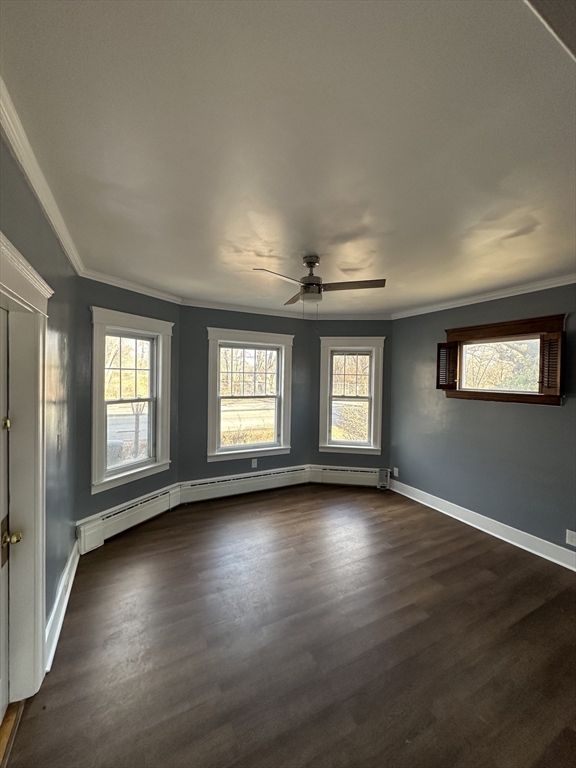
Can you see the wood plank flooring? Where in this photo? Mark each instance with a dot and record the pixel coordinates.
(319, 626)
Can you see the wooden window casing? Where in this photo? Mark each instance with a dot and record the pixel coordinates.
(549, 329)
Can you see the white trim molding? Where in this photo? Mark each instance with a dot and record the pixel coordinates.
(20, 282)
(11, 255)
(543, 21)
(527, 541)
(128, 285)
(106, 321)
(56, 619)
(505, 293)
(24, 153)
(278, 341)
(24, 294)
(374, 346)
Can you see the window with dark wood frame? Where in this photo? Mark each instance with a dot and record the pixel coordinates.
(547, 332)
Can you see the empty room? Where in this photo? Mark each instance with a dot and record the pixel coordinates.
(288, 384)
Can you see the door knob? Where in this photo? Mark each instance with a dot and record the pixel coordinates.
(11, 538)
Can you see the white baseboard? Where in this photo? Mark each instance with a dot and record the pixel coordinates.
(54, 624)
(527, 541)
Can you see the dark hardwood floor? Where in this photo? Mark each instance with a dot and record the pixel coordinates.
(315, 626)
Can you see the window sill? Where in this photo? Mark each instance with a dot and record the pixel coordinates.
(129, 475)
(504, 397)
(253, 453)
(349, 449)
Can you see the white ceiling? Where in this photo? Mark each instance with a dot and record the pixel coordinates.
(431, 143)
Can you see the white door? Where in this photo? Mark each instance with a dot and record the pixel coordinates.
(3, 510)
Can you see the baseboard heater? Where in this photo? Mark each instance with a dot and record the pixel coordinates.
(93, 531)
(375, 478)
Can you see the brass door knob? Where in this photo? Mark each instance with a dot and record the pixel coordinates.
(11, 538)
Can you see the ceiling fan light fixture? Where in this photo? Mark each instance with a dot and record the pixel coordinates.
(312, 297)
(312, 287)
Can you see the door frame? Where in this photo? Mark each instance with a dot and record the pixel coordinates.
(24, 293)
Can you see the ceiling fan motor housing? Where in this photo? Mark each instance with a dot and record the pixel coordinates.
(311, 291)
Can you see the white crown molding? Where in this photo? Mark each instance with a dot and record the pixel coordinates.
(127, 285)
(542, 285)
(543, 21)
(14, 257)
(24, 153)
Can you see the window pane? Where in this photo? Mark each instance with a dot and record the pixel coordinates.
(363, 386)
(337, 384)
(245, 422)
(128, 353)
(128, 384)
(260, 384)
(503, 366)
(143, 353)
(350, 386)
(225, 358)
(143, 383)
(224, 383)
(127, 433)
(337, 363)
(261, 360)
(364, 365)
(272, 361)
(350, 365)
(112, 385)
(112, 353)
(350, 421)
(271, 384)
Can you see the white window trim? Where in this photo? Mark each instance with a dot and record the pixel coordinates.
(105, 320)
(223, 335)
(357, 344)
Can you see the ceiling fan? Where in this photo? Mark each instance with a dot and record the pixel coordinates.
(312, 287)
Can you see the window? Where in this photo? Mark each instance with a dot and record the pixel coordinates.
(131, 397)
(249, 394)
(517, 361)
(351, 394)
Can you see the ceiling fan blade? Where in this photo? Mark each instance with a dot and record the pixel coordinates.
(294, 299)
(276, 274)
(353, 285)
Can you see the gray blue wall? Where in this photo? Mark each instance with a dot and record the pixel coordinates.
(24, 224)
(512, 462)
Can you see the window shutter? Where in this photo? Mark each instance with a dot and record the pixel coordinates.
(447, 365)
(550, 363)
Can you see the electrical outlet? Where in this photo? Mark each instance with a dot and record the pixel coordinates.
(396, 471)
(571, 537)
(254, 463)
